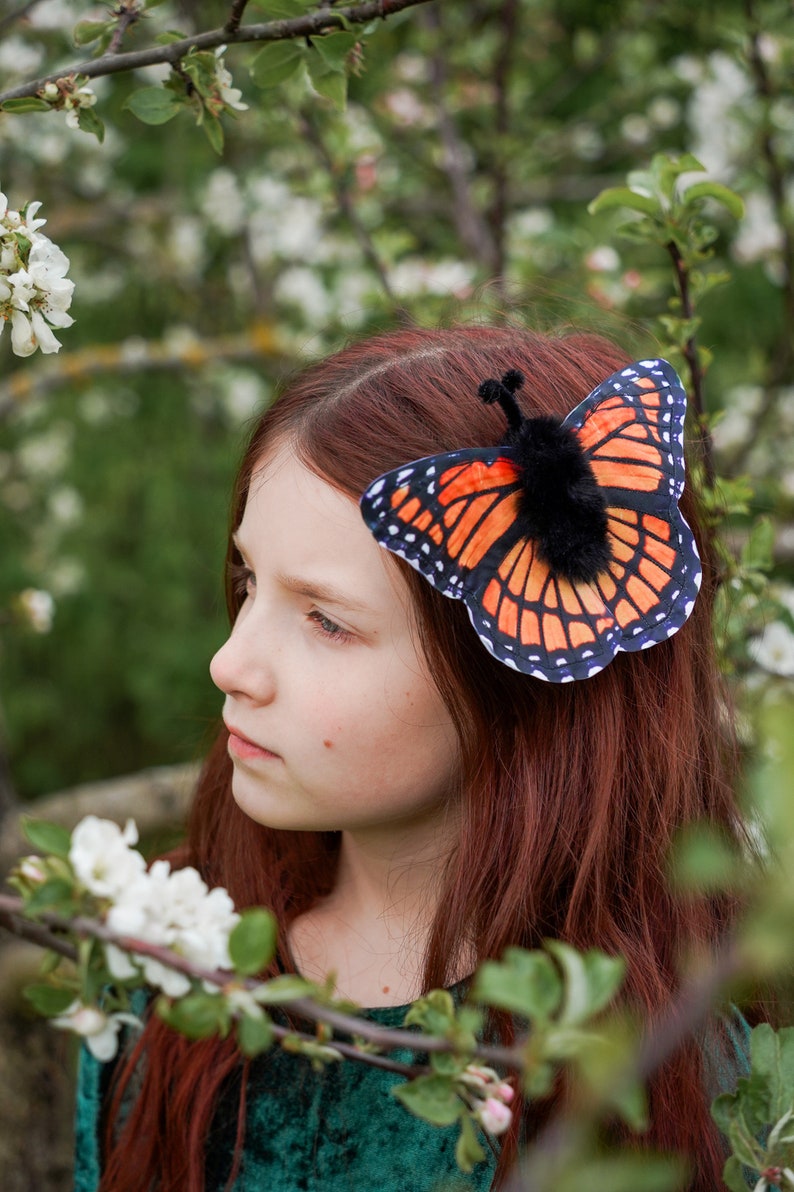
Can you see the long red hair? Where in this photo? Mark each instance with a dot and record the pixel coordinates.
(573, 792)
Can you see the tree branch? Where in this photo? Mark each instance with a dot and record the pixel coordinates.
(345, 201)
(501, 174)
(386, 1038)
(693, 363)
(472, 228)
(235, 16)
(127, 15)
(321, 21)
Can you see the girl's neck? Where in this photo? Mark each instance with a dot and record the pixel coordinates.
(373, 928)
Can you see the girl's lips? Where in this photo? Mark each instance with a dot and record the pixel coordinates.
(241, 747)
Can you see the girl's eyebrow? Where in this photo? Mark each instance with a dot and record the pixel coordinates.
(324, 592)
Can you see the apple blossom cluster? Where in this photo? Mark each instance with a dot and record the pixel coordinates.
(492, 1098)
(35, 293)
(70, 97)
(171, 909)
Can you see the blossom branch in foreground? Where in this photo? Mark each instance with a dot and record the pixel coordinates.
(321, 21)
(389, 1038)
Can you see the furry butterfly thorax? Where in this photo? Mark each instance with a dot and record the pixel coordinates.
(566, 542)
(560, 504)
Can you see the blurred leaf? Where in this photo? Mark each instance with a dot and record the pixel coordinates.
(715, 190)
(283, 989)
(47, 837)
(153, 105)
(468, 1151)
(87, 31)
(26, 103)
(622, 196)
(49, 1000)
(525, 982)
(252, 943)
(432, 1098)
(275, 62)
(254, 1034)
(591, 980)
(197, 1015)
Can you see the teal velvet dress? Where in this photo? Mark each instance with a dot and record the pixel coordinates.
(336, 1130)
(341, 1129)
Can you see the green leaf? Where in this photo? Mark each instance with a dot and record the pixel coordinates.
(704, 860)
(467, 1149)
(252, 943)
(87, 31)
(772, 1060)
(432, 1098)
(254, 1034)
(733, 1175)
(334, 48)
(26, 103)
(168, 37)
(329, 83)
(214, 131)
(625, 1173)
(47, 837)
(88, 121)
(524, 982)
(49, 999)
(434, 1013)
(283, 989)
(623, 196)
(153, 105)
(54, 894)
(197, 1015)
(758, 551)
(591, 979)
(275, 62)
(715, 190)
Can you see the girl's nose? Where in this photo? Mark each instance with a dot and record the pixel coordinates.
(242, 666)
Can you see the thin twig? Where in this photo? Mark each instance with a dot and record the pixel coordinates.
(304, 26)
(693, 363)
(472, 228)
(126, 16)
(19, 14)
(500, 171)
(346, 204)
(235, 16)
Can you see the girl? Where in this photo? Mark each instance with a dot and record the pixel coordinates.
(410, 800)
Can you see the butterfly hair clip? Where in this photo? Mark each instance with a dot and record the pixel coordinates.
(566, 543)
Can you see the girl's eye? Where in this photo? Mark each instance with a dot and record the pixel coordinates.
(327, 628)
(243, 579)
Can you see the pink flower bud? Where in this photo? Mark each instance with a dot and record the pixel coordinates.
(494, 1116)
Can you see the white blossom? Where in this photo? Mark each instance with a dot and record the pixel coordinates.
(774, 649)
(99, 1030)
(38, 608)
(230, 95)
(35, 293)
(102, 856)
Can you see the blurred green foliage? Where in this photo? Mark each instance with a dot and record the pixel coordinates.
(455, 183)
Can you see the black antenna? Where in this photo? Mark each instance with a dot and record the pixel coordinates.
(503, 392)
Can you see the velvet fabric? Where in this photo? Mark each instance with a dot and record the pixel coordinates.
(336, 1130)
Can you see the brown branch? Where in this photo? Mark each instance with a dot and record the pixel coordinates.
(778, 187)
(693, 363)
(385, 1038)
(472, 228)
(127, 14)
(75, 367)
(500, 172)
(305, 26)
(235, 16)
(19, 14)
(346, 204)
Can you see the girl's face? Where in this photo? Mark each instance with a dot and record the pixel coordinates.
(335, 722)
